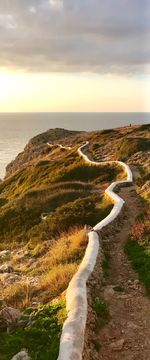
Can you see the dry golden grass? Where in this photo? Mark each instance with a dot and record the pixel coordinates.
(18, 294)
(69, 248)
(51, 284)
(54, 282)
(52, 272)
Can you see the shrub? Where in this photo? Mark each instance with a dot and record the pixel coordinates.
(41, 339)
(129, 146)
(69, 248)
(140, 261)
(55, 281)
(15, 221)
(101, 308)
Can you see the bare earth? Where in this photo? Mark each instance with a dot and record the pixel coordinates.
(127, 335)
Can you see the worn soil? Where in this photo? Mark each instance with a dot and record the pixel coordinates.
(126, 335)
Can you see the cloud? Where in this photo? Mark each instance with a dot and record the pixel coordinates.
(87, 35)
(56, 4)
(7, 21)
(32, 9)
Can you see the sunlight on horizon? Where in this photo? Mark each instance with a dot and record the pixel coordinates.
(25, 92)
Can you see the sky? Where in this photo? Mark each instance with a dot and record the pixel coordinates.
(74, 55)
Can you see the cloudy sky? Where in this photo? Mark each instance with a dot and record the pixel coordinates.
(74, 55)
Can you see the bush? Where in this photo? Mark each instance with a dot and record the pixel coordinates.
(41, 339)
(54, 282)
(15, 221)
(129, 146)
(79, 212)
(140, 261)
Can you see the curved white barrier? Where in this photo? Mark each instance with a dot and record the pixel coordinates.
(109, 191)
(72, 338)
(71, 343)
(60, 146)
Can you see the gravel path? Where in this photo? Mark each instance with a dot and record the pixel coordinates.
(126, 336)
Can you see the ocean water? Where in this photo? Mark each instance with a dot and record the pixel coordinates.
(17, 128)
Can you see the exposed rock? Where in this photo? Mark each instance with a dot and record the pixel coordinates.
(37, 148)
(9, 317)
(131, 325)
(9, 277)
(129, 282)
(4, 253)
(146, 186)
(22, 355)
(117, 345)
(108, 292)
(6, 268)
(26, 253)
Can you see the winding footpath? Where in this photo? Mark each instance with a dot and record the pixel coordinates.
(72, 338)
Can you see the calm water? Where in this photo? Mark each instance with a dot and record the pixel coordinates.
(17, 129)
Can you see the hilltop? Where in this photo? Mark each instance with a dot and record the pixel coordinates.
(48, 195)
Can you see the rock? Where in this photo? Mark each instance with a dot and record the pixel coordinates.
(22, 355)
(131, 325)
(26, 253)
(124, 296)
(117, 345)
(136, 282)
(146, 186)
(4, 253)
(9, 277)
(35, 303)
(5, 277)
(108, 292)
(9, 316)
(14, 277)
(6, 268)
(129, 282)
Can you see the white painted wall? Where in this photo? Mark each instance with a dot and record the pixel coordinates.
(72, 338)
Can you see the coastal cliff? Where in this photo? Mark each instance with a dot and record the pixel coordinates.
(37, 148)
(48, 196)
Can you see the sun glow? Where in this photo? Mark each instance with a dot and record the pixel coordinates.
(70, 92)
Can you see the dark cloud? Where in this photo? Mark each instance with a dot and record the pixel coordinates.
(75, 35)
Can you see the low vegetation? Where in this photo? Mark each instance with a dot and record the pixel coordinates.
(54, 188)
(129, 146)
(138, 250)
(102, 311)
(54, 269)
(43, 208)
(41, 338)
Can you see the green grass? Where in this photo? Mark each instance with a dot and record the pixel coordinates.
(129, 146)
(140, 260)
(3, 201)
(105, 263)
(56, 266)
(41, 339)
(19, 217)
(118, 288)
(46, 187)
(102, 311)
(79, 212)
(96, 344)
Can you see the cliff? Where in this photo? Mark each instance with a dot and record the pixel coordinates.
(48, 196)
(37, 148)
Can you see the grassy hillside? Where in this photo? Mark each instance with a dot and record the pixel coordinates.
(49, 194)
(48, 187)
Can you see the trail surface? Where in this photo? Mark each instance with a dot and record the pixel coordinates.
(72, 338)
(126, 336)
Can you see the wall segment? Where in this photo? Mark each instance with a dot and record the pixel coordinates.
(72, 338)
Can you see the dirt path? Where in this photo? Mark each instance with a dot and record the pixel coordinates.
(127, 335)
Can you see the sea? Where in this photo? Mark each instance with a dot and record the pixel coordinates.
(17, 128)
